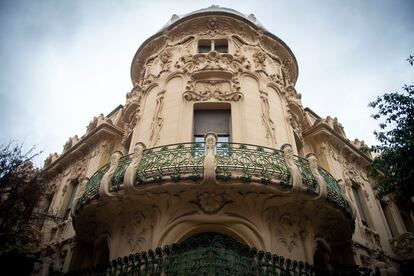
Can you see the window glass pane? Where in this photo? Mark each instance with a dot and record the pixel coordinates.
(203, 49)
(223, 139)
(199, 139)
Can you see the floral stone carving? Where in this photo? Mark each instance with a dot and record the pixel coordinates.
(210, 203)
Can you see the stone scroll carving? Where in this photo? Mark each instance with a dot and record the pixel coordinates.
(104, 192)
(204, 90)
(295, 175)
(266, 120)
(130, 173)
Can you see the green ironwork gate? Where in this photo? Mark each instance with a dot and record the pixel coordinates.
(211, 254)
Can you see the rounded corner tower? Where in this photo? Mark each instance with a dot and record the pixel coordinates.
(212, 165)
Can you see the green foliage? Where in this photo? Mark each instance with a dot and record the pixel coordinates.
(20, 190)
(395, 111)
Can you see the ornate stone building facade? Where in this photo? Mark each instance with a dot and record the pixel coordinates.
(213, 149)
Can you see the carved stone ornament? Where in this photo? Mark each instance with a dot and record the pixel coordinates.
(130, 173)
(204, 90)
(292, 95)
(313, 165)
(157, 119)
(210, 160)
(266, 120)
(259, 59)
(210, 203)
(211, 61)
(403, 245)
(107, 177)
(138, 231)
(295, 175)
(288, 235)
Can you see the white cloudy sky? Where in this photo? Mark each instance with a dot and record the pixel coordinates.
(63, 62)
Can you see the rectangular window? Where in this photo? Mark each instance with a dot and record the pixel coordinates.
(217, 121)
(221, 46)
(207, 45)
(359, 205)
(204, 46)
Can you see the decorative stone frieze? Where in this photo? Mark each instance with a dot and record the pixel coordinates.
(221, 90)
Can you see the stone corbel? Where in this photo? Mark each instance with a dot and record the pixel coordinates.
(104, 192)
(210, 140)
(295, 175)
(130, 173)
(313, 165)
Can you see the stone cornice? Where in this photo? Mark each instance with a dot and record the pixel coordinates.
(321, 129)
(87, 142)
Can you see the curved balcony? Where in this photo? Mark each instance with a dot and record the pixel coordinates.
(232, 161)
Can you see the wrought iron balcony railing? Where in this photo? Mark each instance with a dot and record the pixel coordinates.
(243, 162)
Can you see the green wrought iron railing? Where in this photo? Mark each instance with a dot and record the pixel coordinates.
(251, 160)
(174, 162)
(211, 254)
(335, 195)
(257, 161)
(171, 162)
(234, 160)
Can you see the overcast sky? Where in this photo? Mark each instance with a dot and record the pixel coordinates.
(63, 62)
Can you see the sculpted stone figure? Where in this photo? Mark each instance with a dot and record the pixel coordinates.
(210, 159)
(130, 173)
(295, 174)
(106, 179)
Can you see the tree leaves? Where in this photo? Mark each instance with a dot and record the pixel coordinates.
(395, 111)
(20, 190)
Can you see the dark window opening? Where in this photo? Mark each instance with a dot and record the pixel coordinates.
(204, 46)
(221, 46)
